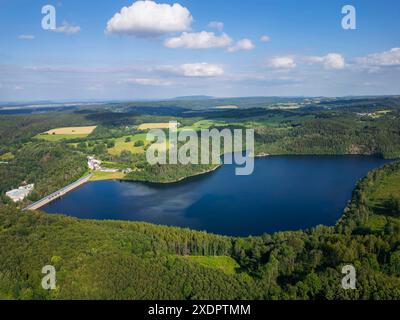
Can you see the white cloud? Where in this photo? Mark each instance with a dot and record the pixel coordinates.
(26, 37)
(330, 61)
(386, 58)
(201, 70)
(265, 38)
(244, 44)
(147, 18)
(216, 25)
(285, 62)
(150, 82)
(334, 61)
(199, 40)
(67, 28)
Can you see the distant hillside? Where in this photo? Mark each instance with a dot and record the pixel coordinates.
(191, 98)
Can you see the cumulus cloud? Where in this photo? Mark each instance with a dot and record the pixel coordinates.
(285, 62)
(67, 28)
(383, 59)
(265, 38)
(26, 37)
(216, 25)
(244, 44)
(201, 70)
(330, 61)
(199, 40)
(148, 18)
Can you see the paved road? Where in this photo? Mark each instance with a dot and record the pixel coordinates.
(58, 194)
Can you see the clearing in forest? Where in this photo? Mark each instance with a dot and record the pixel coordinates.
(224, 263)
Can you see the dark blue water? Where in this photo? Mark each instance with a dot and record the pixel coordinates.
(283, 193)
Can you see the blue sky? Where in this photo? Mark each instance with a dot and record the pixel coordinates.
(166, 48)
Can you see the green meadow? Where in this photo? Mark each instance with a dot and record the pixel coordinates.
(127, 143)
(223, 263)
(59, 137)
(6, 156)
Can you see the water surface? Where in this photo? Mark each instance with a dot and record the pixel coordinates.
(283, 193)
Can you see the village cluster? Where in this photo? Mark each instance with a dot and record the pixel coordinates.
(95, 165)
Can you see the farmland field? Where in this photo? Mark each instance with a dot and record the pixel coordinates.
(127, 143)
(149, 126)
(66, 133)
(59, 137)
(204, 124)
(72, 130)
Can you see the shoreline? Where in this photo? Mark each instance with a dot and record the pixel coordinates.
(261, 155)
(257, 156)
(174, 181)
(338, 221)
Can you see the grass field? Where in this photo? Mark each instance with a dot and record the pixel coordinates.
(98, 176)
(155, 125)
(6, 156)
(60, 137)
(121, 144)
(204, 124)
(66, 133)
(223, 263)
(72, 130)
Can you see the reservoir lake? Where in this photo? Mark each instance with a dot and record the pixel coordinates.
(283, 193)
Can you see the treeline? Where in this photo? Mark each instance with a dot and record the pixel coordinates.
(337, 134)
(19, 129)
(166, 173)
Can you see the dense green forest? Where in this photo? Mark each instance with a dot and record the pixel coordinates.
(128, 260)
(335, 134)
(49, 166)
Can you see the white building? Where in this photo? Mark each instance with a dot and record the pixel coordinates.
(93, 163)
(126, 171)
(21, 193)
